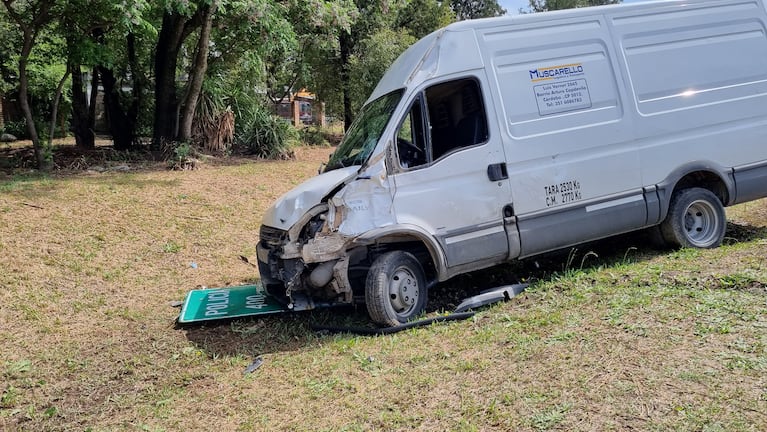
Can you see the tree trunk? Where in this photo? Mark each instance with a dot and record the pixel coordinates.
(80, 113)
(44, 162)
(139, 80)
(55, 107)
(29, 27)
(120, 124)
(346, 46)
(165, 62)
(175, 28)
(93, 100)
(197, 74)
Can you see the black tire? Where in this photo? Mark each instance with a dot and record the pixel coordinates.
(395, 289)
(695, 219)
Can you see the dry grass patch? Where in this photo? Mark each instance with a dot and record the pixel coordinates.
(629, 338)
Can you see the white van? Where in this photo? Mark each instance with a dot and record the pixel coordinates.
(502, 138)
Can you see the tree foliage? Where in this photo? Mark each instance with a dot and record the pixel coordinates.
(163, 64)
(421, 17)
(31, 18)
(10, 39)
(345, 69)
(371, 59)
(473, 9)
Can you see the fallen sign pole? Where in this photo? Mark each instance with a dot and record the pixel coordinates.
(252, 300)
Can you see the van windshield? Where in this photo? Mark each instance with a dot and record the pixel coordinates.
(364, 133)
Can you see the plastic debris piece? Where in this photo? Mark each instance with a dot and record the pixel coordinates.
(255, 365)
(245, 259)
(494, 295)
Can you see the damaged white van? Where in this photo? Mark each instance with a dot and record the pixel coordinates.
(497, 139)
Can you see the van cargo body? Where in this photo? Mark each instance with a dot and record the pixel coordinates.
(497, 139)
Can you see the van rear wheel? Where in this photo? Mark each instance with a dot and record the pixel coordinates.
(395, 288)
(695, 219)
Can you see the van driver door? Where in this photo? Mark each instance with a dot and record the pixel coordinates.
(450, 175)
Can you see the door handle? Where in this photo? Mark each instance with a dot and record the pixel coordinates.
(497, 172)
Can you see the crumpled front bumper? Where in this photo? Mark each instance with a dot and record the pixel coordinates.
(297, 271)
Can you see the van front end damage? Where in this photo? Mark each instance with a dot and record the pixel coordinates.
(319, 258)
(308, 264)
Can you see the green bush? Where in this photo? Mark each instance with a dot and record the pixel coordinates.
(17, 129)
(314, 136)
(181, 156)
(265, 135)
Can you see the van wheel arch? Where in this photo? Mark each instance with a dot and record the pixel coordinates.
(412, 245)
(411, 240)
(706, 180)
(701, 178)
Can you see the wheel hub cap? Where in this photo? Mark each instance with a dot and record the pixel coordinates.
(403, 290)
(700, 223)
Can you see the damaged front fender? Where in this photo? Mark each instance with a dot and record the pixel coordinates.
(364, 204)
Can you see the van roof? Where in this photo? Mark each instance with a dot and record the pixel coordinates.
(434, 54)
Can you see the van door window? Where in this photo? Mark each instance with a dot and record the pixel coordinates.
(455, 119)
(411, 139)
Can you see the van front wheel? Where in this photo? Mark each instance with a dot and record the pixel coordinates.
(395, 288)
(695, 219)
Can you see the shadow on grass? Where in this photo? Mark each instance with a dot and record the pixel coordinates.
(278, 333)
(291, 332)
(739, 233)
(34, 185)
(70, 161)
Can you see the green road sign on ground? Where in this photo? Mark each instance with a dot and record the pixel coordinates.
(228, 302)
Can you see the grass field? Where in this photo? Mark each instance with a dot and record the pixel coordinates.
(612, 336)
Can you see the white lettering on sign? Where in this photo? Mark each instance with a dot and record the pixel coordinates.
(217, 301)
(257, 301)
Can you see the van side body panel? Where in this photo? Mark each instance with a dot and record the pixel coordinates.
(563, 116)
(750, 181)
(697, 76)
(604, 110)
